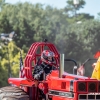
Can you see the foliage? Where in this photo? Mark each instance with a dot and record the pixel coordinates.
(10, 62)
(35, 23)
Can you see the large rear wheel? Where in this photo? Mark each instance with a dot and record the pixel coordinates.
(13, 93)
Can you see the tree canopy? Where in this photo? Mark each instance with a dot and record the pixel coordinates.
(75, 36)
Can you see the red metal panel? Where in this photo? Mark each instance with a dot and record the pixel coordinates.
(20, 81)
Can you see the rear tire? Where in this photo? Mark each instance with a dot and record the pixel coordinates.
(13, 93)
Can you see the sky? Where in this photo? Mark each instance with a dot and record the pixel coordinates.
(92, 7)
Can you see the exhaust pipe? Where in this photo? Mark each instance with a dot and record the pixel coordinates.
(61, 68)
(75, 70)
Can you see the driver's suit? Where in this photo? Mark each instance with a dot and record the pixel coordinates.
(40, 69)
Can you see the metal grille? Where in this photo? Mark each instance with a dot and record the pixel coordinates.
(99, 87)
(92, 87)
(89, 97)
(82, 86)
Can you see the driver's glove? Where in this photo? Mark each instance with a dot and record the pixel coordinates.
(37, 76)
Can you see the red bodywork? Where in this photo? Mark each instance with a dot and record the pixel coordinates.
(68, 87)
(97, 54)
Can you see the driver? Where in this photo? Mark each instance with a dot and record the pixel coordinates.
(47, 58)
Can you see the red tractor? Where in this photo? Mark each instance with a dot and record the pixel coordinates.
(58, 85)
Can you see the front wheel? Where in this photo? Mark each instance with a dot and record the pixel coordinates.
(13, 93)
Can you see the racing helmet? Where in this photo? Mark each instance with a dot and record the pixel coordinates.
(47, 56)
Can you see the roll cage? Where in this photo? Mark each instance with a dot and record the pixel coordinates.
(34, 54)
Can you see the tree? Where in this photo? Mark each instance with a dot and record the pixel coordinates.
(14, 59)
(71, 10)
(34, 23)
(71, 7)
(2, 3)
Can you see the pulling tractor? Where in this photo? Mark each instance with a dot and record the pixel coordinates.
(58, 85)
